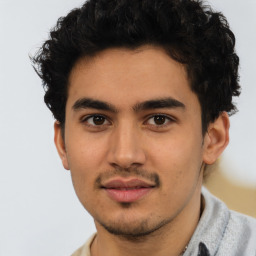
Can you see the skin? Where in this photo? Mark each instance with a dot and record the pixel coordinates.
(129, 142)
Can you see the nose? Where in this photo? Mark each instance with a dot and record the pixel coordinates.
(125, 150)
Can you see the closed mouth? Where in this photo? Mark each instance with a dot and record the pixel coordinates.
(127, 191)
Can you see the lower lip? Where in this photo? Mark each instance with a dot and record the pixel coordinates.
(127, 196)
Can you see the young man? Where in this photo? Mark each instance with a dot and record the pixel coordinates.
(141, 91)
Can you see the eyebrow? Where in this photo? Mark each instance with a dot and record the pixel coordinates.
(158, 103)
(86, 103)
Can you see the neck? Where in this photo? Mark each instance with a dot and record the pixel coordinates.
(171, 239)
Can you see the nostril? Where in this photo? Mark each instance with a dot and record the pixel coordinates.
(125, 152)
(125, 167)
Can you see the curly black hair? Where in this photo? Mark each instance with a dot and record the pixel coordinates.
(188, 30)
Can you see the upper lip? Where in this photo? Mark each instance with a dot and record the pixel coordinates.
(131, 183)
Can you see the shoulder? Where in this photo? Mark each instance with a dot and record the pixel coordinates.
(222, 231)
(84, 250)
(241, 222)
(240, 235)
(237, 231)
(78, 252)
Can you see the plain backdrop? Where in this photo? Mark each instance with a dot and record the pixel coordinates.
(39, 212)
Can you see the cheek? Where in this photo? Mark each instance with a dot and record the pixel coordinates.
(178, 160)
(85, 157)
(84, 187)
(176, 151)
(85, 152)
(84, 168)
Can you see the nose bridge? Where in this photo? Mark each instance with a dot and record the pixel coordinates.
(126, 149)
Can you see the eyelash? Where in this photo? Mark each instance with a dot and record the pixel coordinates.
(167, 120)
(86, 118)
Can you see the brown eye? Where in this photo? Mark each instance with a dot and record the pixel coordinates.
(159, 120)
(96, 120)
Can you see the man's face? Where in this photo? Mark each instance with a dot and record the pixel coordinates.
(133, 139)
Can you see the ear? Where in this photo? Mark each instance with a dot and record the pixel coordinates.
(216, 139)
(60, 144)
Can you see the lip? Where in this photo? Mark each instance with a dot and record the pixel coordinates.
(127, 191)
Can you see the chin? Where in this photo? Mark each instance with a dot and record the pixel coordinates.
(134, 230)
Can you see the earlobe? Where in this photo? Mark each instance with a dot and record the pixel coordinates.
(60, 144)
(216, 138)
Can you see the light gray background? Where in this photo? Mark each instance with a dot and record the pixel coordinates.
(39, 212)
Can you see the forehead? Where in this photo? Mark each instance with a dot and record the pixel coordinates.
(125, 77)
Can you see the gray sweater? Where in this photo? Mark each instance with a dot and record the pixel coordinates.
(222, 232)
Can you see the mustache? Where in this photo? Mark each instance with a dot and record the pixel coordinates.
(128, 172)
